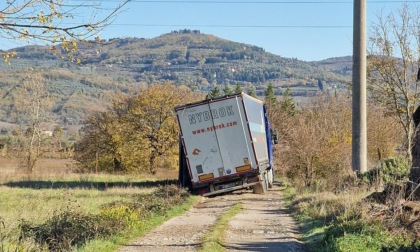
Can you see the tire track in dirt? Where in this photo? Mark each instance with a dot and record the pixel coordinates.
(184, 232)
(262, 225)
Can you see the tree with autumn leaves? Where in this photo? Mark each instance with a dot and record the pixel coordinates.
(138, 133)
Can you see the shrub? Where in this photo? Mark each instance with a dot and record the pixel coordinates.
(390, 170)
(120, 214)
(395, 168)
(68, 229)
(162, 199)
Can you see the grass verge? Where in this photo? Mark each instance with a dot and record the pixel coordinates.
(346, 222)
(84, 219)
(213, 241)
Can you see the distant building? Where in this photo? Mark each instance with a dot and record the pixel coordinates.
(46, 133)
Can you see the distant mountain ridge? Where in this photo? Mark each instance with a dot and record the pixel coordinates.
(185, 57)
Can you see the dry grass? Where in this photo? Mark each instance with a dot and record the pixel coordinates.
(330, 206)
(359, 219)
(62, 169)
(11, 169)
(54, 188)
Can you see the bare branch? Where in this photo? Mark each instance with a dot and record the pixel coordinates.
(393, 63)
(56, 21)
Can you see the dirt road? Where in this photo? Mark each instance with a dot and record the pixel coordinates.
(262, 225)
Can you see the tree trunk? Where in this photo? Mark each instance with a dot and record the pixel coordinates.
(411, 141)
(415, 167)
(152, 167)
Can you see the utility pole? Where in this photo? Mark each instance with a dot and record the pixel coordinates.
(359, 126)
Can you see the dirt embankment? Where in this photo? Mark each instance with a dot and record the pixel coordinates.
(262, 225)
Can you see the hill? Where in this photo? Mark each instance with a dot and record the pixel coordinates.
(186, 57)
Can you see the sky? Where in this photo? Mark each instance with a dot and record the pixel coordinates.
(304, 29)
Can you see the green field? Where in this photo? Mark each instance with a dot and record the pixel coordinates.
(119, 205)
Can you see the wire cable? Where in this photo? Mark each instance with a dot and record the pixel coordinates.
(233, 26)
(256, 2)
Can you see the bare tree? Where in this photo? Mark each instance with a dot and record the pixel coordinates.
(394, 58)
(34, 109)
(55, 22)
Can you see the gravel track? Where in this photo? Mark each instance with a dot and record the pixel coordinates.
(262, 225)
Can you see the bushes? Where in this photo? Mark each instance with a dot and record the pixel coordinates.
(389, 170)
(315, 142)
(395, 168)
(315, 151)
(70, 229)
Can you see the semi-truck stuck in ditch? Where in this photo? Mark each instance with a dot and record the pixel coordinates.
(226, 144)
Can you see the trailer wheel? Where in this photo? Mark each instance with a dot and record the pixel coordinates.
(258, 188)
(266, 180)
(261, 187)
(270, 178)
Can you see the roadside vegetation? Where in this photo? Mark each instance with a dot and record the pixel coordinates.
(337, 209)
(86, 212)
(353, 221)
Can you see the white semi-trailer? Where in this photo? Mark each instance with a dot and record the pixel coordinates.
(225, 145)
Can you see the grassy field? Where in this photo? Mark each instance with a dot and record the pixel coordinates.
(53, 193)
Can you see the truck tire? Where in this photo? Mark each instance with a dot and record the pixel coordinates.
(258, 188)
(270, 178)
(266, 179)
(261, 187)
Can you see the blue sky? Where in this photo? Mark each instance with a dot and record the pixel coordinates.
(305, 29)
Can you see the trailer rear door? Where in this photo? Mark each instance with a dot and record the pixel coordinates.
(216, 138)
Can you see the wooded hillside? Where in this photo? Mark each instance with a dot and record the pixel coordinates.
(185, 57)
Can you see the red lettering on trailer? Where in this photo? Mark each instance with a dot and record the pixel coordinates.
(215, 127)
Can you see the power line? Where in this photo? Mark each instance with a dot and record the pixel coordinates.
(255, 2)
(233, 26)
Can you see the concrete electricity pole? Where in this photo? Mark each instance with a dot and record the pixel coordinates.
(359, 142)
